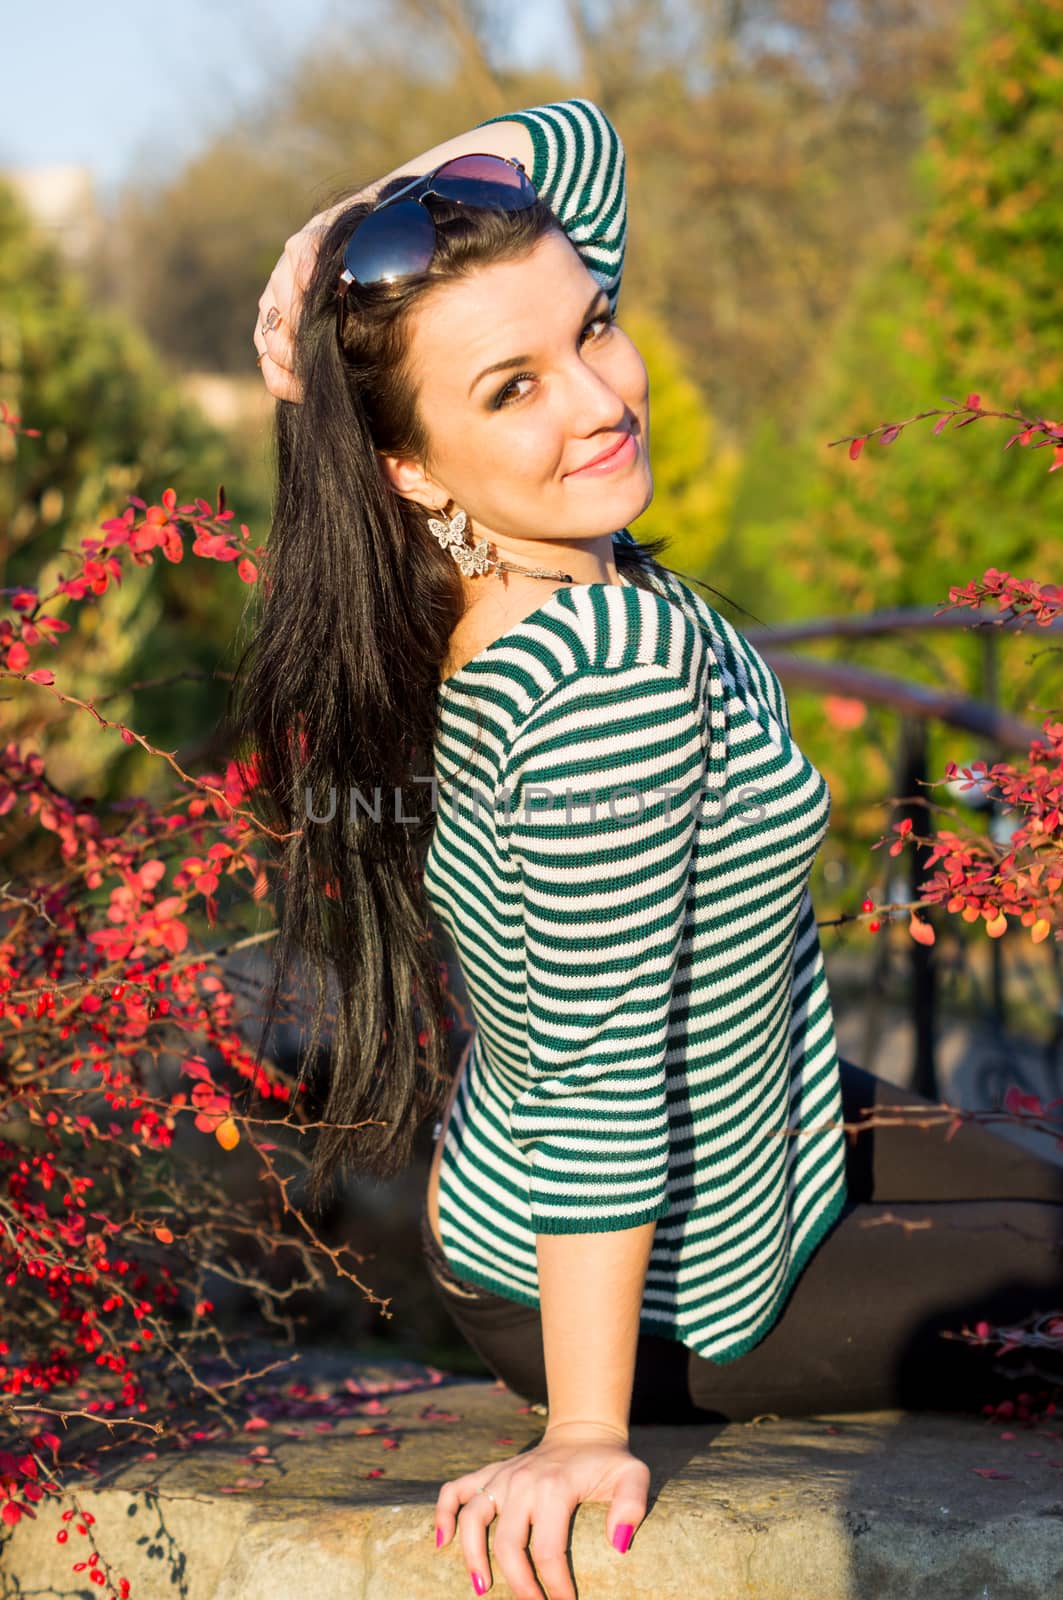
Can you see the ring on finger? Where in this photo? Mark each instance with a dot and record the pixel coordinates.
(481, 1490)
(272, 319)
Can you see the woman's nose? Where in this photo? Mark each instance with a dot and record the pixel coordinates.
(595, 401)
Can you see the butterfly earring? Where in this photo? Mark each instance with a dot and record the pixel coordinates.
(473, 560)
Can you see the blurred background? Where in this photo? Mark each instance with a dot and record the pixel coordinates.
(842, 213)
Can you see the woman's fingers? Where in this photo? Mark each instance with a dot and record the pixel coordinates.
(549, 1549)
(473, 1520)
(533, 1498)
(273, 341)
(510, 1536)
(473, 1512)
(276, 335)
(627, 1508)
(284, 385)
(279, 308)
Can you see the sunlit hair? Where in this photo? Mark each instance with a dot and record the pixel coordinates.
(337, 690)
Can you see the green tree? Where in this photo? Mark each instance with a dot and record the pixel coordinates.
(972, 301)
(112, 424)
(973, 304)
(693, 473)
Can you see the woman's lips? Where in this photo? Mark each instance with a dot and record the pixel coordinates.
(624, 452)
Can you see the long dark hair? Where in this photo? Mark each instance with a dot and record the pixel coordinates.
(336, 693)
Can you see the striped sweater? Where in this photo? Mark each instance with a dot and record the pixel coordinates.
(624, 833)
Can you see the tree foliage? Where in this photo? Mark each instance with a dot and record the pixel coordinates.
(693, 470)
(744, 126)
(111, 423)
(974, 302)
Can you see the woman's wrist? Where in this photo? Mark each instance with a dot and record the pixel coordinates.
(585, 1427)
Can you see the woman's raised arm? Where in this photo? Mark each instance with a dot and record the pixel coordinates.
(571, 152)
(287, 281)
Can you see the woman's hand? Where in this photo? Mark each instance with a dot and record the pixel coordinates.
(537, 1493)
(283, 295)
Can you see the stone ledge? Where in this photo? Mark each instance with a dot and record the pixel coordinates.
(877, 1506)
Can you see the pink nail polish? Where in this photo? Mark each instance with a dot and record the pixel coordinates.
(439, 1537)
(622, 1536)
(478, 1584)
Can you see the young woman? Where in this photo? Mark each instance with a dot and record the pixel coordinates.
(642, 1204)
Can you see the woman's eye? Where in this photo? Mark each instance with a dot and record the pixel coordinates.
(606, 317)
(507, 395)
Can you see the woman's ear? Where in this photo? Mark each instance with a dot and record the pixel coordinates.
(410, 480)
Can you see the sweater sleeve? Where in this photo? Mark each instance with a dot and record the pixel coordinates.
(603, 784)
(579, 170)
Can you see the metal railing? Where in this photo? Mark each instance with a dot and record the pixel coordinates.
(917, 704)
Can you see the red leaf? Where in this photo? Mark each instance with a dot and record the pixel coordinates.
(942, 423)
(855, 449)
(891, 433)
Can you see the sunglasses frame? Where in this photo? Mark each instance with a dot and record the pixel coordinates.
(422, 183)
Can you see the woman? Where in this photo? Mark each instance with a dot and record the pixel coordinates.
(642, 1205)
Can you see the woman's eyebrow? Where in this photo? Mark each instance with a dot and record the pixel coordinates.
(518, 361)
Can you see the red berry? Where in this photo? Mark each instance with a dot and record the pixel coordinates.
(867, 905)
(873, 927)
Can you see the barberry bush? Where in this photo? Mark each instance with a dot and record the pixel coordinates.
(126, 1077)
(124, 1060)
(1001, 886)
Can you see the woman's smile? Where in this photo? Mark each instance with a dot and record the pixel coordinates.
(621, 454)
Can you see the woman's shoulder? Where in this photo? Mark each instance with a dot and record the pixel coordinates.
(628, 622)
(589, 649)
(607, 640)
(739, 659)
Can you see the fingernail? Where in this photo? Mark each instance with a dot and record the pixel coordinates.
(478, 1584)
(439, 1537)
(622, 1536)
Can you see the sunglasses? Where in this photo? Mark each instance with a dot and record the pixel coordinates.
(398, 237)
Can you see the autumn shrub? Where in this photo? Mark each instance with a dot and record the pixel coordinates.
(124, 1058)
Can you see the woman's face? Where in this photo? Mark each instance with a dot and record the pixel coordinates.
(507, 445)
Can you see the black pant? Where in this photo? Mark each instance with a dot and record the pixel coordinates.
(862, 1328)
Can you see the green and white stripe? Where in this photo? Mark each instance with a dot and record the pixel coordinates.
(648, 986)
(653, 1018)
(579, 170)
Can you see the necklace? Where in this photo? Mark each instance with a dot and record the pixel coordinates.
(473, 560)
(532, 572)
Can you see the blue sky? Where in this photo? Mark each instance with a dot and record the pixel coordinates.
(114, 84)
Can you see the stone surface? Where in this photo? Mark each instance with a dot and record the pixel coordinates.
(851, 1507)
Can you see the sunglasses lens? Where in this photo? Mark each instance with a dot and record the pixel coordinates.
(484, 181)
(390, 243)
